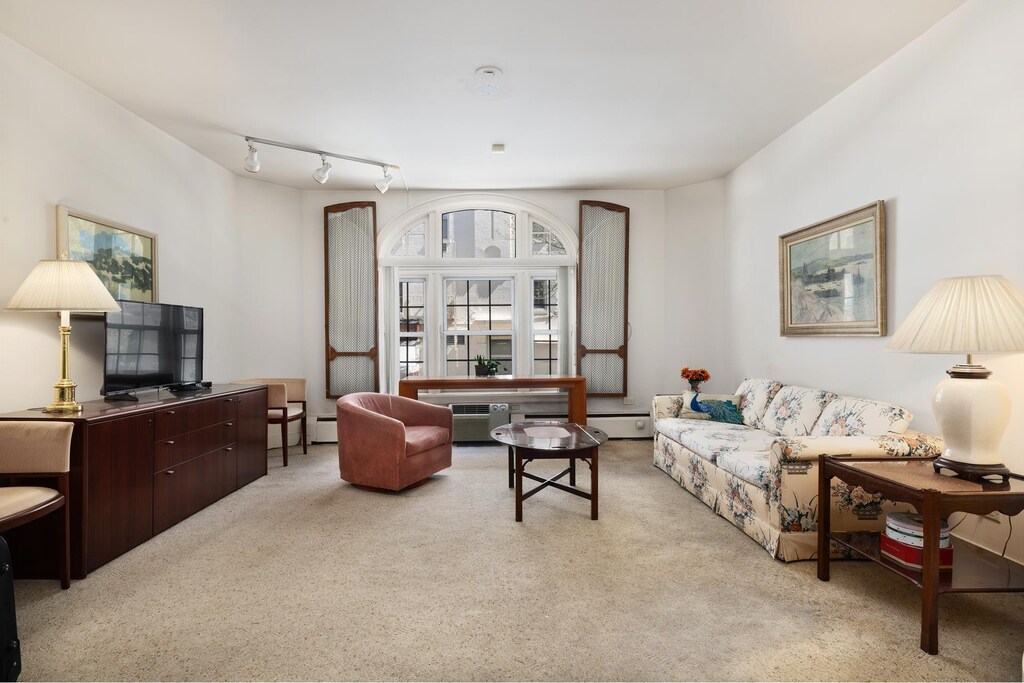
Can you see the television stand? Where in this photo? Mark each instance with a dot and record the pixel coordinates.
(126, 396)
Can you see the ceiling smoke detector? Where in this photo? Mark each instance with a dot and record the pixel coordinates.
(488, 81)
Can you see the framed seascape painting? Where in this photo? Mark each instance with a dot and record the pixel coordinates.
(832, 276)
(123, 257)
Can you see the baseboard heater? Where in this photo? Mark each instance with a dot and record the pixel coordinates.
(325, 429)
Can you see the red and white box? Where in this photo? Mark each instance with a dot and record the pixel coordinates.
(911, 556)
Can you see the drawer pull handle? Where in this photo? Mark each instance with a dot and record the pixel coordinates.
(170, 443)
(229, 424)
(169, 472)
(170, 412)
(229, 448)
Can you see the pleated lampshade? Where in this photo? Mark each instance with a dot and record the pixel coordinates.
(961, 315)
(62, 285)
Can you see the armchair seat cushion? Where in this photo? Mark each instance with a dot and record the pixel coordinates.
(419, 439)
(292, 412)
(15, 500)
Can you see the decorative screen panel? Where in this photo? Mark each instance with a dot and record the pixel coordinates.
(350, 267)
(602, 297)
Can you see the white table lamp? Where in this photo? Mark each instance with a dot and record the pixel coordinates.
(968, 315)
(65, 287)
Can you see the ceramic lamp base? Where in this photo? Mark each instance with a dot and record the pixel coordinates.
(972, 412)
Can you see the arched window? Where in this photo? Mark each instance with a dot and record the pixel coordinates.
(462, 278)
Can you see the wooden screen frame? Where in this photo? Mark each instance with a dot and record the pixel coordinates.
(329, 351)
(621, 351)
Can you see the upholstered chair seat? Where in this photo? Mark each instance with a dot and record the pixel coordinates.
(390, 442)
(37, 450)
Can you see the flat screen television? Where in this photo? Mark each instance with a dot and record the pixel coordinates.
(150, 346)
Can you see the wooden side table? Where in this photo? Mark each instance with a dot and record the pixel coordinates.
(935, 496)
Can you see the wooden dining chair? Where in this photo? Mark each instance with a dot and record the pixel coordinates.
(36, 450)
(286, 403)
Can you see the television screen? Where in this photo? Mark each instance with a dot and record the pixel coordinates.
(152, 345)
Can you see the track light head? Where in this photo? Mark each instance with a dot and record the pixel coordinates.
(385, 182)
(321, 174)
(252, 162)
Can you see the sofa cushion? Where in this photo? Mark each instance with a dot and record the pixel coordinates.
(750, 466)
(795, 410)
(419, 439)
(707, 439)
(756, 394)
(846, 416)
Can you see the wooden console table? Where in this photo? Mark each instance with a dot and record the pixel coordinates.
(934, 496)
(140, 468)
(576, 387)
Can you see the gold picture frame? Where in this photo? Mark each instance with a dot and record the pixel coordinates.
(124, 258)
(832, 276)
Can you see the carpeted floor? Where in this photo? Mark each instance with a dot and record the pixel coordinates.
(300, 576)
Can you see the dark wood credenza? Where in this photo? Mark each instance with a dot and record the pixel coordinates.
(138, 469)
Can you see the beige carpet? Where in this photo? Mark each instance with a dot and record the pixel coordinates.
(301, 576)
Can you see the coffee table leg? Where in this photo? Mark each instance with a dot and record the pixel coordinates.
(511, 469)
(593, 485)
(519, 486)
(572, 471)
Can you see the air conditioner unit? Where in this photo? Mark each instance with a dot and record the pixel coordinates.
(474, 421)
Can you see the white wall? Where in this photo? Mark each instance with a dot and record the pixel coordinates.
(646, 296)
(695, 287)
(936, 131)
(61, 142)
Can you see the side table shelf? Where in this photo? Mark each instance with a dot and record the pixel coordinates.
(975, 570)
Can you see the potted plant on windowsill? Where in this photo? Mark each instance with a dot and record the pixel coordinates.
(482, 366)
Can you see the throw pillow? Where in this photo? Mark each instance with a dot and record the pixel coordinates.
(723, 411)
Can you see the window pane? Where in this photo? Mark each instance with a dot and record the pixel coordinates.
(478, 233)
(545, 242)
(545, 304)
(412, 242)
(411, 361)
(458, 367)
(545, 354)
(457, 348)
(478, 347)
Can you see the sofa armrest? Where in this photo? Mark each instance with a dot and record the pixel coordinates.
(910, 444)
(666, 405)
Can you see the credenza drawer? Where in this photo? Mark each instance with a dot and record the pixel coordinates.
(170, 422)
(211, 412)
(211, 438)
(169, 452)
(185, 489)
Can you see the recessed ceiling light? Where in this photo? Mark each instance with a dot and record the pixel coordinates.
(497, 148)
(487, 80)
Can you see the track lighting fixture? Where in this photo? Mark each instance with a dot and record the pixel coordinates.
(385, 182)
(320, 174)
(252, 162)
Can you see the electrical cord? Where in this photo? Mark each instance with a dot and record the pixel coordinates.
(1007, 544)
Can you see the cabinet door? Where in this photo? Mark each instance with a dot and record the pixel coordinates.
(120, 487)
(252, 436)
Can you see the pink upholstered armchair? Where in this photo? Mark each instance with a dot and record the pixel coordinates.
(390, 442)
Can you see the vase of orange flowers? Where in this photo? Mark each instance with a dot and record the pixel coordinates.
(695, 376)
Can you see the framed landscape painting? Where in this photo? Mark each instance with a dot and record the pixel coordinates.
(123, 257)
(832, 276)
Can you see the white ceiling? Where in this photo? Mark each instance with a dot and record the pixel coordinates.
(597, 93)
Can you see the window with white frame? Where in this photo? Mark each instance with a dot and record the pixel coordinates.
(465, 282)
(479, 323)
(411, 327)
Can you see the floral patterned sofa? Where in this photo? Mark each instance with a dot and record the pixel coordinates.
(762, 475)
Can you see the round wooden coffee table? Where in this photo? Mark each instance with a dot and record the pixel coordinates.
(549, 440)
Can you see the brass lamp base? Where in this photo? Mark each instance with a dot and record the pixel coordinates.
(64, 398)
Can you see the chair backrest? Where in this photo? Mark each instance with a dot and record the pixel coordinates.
(280, 390)
(29, 446)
